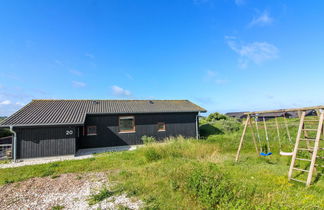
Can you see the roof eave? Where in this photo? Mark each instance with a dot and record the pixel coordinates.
(38, 125)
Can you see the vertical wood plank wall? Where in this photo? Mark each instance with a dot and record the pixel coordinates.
(54, 141)
(146, 124)
(45, 141)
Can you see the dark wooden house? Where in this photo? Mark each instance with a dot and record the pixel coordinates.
(237, 115)
(60, 127)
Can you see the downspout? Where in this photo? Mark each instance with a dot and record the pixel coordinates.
(197, 126)
(14, 142)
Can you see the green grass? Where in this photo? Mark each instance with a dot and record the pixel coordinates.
(4, 161)
(58, 207)
(191, 174)
(100, 196)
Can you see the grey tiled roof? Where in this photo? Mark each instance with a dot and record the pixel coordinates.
(58, 112)
(236, 114)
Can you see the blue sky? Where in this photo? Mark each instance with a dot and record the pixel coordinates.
(224, 55)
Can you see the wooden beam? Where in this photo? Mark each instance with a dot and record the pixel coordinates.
(242, 138)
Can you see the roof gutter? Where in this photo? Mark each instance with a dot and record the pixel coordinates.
(14, 143)
(51, 124)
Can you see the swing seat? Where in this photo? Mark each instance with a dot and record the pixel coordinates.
(286, 153)
(265, 154)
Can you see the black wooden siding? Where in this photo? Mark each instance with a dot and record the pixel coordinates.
(45, 141)
(146, 124)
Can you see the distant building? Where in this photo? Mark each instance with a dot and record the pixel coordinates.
(308, 113)
(271, 115)
(237, 115)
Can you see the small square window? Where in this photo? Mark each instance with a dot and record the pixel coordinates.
(161, 126)
(127, 124)
(91, 130)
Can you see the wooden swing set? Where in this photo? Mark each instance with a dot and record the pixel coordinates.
(312, 137)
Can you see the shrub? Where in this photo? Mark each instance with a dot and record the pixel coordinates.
(216, 116)
(4, 132)
(148, 139)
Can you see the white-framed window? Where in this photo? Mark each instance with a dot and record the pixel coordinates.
(91, 130)
(161, 126)
(127, 124)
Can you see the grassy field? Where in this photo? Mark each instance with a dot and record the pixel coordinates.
(191, 174)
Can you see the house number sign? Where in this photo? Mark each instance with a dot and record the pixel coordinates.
(69, 132)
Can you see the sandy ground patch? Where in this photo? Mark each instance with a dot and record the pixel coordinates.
(70, 191)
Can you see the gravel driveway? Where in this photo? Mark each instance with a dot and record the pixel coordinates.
(70, 191)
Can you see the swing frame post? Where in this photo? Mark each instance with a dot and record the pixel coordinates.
(242, 138)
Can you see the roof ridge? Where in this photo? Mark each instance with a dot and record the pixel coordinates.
(110, 100)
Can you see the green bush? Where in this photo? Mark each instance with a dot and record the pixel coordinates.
(148, 139)
(227, 126)
(216, 116)
(5, 132)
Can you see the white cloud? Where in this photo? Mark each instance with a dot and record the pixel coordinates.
(18, 97)
(5, 102)
(77, 84)
(76, 72)
(256, 52)
(89, 55)
(118, 91)
(261, 20)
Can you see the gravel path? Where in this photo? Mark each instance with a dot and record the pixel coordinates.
(70, 191)
(42, 161)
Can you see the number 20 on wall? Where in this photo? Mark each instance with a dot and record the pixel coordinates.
(69, 132)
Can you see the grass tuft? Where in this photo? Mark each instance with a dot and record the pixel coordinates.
(100, 196)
